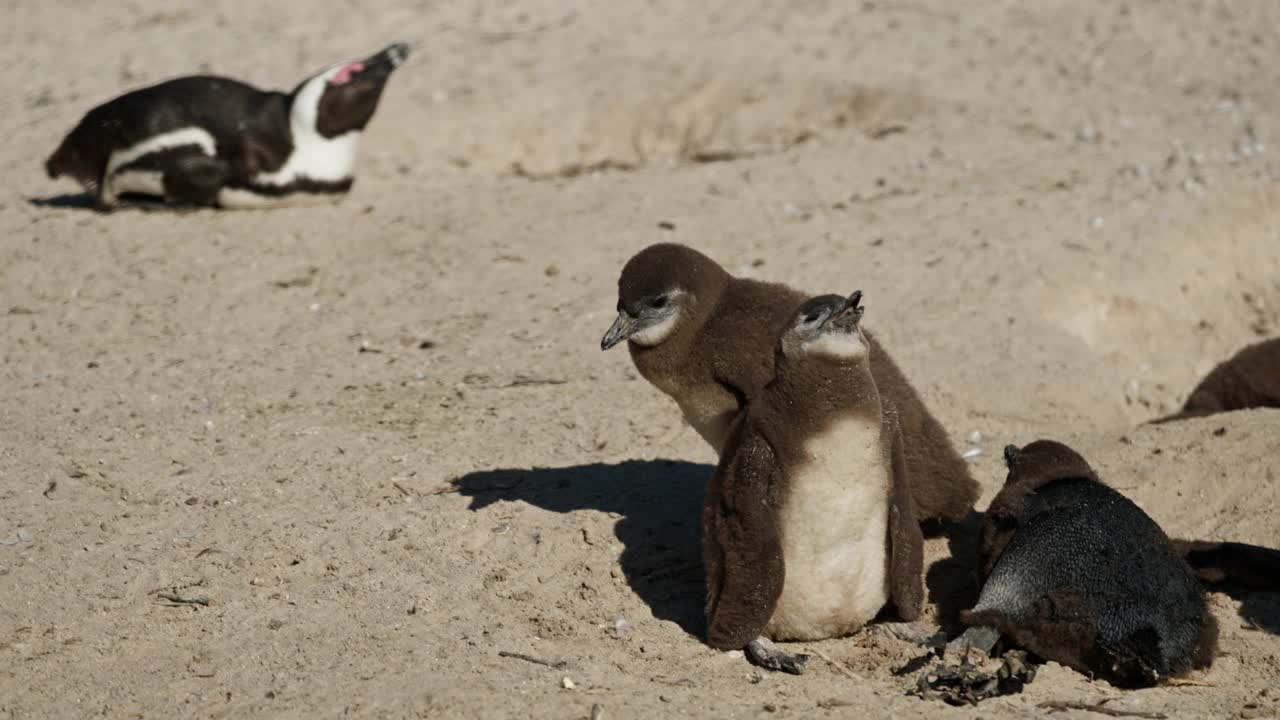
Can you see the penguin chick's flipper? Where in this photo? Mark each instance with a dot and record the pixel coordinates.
(1231, 563)
(906, 542)
(742, 548)
(764, 653)
(193, 178)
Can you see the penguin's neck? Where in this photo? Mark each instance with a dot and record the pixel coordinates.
(314, 158)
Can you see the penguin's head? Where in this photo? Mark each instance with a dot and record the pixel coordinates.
(1044, 460)
(661, 289)
(342, 98)
(827, 327)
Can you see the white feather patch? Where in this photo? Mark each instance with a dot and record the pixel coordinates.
(164, 141)
(837, 346)
(657, 332)
(241, 199)
(142, 182)
(834, 526)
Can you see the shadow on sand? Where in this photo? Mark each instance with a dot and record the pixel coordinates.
(952, 582)
(660, 502)
(71, 201)
(128, 201)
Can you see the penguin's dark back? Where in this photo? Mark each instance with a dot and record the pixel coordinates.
(224, 107)
(1078, 535)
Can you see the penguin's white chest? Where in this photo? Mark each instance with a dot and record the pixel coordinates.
(314, 160)
(833, 525)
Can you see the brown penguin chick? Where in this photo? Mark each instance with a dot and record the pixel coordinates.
(1077, 573)
(706, 339)
(1250, 379)
(809, 528)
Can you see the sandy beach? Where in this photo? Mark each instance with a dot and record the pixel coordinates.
(380, 439)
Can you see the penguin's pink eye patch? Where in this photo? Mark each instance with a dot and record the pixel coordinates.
(345, 72)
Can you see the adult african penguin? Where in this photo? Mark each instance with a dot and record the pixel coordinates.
(214, 141)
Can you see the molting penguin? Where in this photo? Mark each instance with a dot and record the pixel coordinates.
(809, 528)
(1077, 573)
(1249, 379)
(706, 339)
(205, 140)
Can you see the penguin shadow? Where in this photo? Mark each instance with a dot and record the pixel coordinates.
(660, 502)
(952, 582)
(128, 201)
(65, 201)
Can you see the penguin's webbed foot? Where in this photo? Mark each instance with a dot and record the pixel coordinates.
(764, 653)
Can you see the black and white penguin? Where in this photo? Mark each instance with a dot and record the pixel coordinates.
(206, 140)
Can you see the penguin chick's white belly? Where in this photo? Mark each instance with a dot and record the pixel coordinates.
(833, 525)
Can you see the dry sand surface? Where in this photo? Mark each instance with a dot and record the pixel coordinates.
(380, 436)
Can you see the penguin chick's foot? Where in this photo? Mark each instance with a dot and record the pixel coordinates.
(911, 632)
(978, 639)
(764, 653)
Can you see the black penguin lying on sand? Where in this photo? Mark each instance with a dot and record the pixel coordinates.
(1077, 573)
(204, 140)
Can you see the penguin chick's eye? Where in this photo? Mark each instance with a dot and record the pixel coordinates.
(659, 302)
(812, 318)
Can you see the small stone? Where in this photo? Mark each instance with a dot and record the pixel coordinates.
(1096, 222)
(566, 683)
(23, 535)
(735, 654)
(975, 437)
(621, 626)
(971, 453)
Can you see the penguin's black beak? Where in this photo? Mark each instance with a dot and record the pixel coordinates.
(1011, 453)
(621, 329)
(384, 62)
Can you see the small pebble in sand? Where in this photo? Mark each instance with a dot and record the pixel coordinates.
(621, 626)
(566, 683)
(975, 438)
(971, 453)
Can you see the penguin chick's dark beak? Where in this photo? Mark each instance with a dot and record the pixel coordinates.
(854, 299)
(846, 317)
(621, 329)
(1011, 453)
